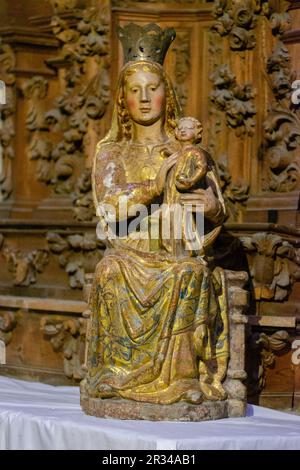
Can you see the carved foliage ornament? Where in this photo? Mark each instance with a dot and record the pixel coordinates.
(123, 3)
(234, 100)
(235, 194)
(35, 90)
(7, 324)
(274, 265)
(25, 267)
(7, 121)
(280, 151)
(280, 147)
(82, 197)
(67, 336)
(59, 137)
(262, 354)
(238, 18)
(61, 6)
(77, 254)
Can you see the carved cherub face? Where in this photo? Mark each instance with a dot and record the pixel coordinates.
(188, 130)
(145, 96)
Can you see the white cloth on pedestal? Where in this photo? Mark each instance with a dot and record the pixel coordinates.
(39, 416)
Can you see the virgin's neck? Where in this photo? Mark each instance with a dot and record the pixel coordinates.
(148, 135)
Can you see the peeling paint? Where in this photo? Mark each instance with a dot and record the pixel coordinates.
(108, 180)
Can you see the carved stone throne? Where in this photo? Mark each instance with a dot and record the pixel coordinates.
(233, 406)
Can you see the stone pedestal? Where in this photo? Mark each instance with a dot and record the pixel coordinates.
(119, 408)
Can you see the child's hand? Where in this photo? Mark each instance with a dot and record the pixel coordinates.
(182, 182)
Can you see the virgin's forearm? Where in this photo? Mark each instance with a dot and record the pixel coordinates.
(123, 198)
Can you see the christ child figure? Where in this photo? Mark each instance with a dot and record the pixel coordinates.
(191, 166)
(188, 173)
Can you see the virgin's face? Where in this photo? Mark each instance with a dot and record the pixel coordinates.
(145, 97)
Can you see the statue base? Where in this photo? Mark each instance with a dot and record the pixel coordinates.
(119, 408)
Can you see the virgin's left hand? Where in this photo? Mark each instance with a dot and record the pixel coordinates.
(203, 197)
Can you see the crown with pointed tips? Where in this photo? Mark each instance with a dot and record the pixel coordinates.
(148, 42)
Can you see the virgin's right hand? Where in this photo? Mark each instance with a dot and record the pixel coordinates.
(163, 171)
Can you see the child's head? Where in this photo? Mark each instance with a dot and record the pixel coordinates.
(189, 129)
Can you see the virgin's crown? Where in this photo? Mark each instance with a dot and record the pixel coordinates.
(148, 42)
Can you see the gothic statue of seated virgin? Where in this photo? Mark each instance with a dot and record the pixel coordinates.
(166, 333)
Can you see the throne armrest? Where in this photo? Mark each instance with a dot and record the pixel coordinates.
(236, 374)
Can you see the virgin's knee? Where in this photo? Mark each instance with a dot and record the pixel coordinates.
(107, 268)
(191, 267)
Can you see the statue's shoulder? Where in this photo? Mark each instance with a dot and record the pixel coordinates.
(108, 151)
(210, 161)
(196, 151)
